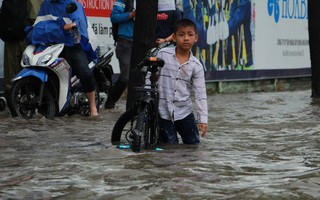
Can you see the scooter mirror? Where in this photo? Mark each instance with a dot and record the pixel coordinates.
(71, 7)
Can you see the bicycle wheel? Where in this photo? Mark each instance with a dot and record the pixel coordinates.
(122, 128)
(143, 131)
(135, 129)
(25, 96)
(151, 133)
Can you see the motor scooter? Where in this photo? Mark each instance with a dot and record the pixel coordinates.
(46, 86)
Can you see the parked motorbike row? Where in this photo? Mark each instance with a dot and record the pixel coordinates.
(47, 87)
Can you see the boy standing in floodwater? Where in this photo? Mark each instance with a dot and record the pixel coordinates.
(181, 74)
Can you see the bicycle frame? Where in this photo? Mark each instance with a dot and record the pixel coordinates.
(146, 100)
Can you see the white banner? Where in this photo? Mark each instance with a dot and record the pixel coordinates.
(102, 28)
(281, 34)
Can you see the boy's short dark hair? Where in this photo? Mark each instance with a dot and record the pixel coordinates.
(184, 23)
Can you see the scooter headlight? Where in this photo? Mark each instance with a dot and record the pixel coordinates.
(44, 59)
(25, 59)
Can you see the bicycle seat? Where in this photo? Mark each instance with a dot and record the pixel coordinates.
(151, 61)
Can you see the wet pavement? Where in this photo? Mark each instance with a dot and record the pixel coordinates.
(259, 146)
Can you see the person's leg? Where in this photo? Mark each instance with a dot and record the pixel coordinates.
(12, 57)
(168, 133)
(123, 53)
(115, 94)
(188, 130)
(79, 64)
(92, 103)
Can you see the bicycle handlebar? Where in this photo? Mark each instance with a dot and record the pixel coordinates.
(151, 61)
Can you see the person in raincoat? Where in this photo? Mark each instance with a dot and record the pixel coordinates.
(54, 25)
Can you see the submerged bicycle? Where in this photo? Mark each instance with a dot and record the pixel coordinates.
(139, 125)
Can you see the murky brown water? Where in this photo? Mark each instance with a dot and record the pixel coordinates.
(259, 146)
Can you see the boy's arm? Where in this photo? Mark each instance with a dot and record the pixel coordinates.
(203, 129)
(201, 106)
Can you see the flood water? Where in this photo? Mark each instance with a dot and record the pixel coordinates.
(259, 146)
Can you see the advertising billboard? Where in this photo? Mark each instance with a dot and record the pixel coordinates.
(251, 39)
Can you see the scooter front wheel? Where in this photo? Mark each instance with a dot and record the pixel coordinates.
(24, 99)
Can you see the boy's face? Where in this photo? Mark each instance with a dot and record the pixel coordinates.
(185, 37)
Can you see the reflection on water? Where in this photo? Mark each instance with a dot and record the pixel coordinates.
(259, 146)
